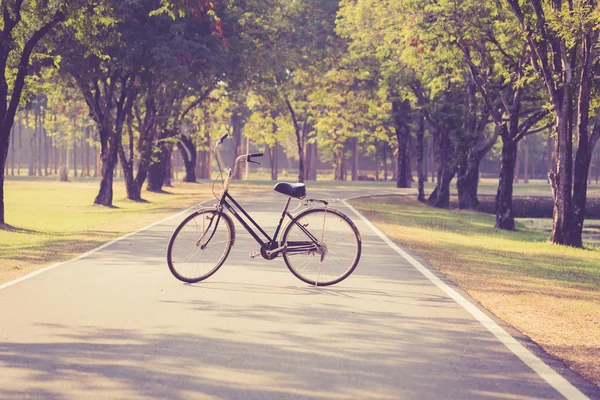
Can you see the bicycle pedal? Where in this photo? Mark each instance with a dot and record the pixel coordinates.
(255, 254)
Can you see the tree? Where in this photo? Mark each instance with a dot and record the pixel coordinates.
(562, 42)
(23, 28)
(144, 54)
(267, 125)
(483, 36)
(412, 74)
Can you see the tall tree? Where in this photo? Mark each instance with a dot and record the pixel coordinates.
(562, 45)
(24, 26)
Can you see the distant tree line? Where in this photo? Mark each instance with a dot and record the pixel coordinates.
(128, 82)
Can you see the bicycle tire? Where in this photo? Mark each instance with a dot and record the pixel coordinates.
(340, 238)
(199, 263)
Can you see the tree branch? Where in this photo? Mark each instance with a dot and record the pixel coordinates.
(197, 102)
(24, 62)
(292, 113)
(529, 122)
(9, 23)
(510, 59)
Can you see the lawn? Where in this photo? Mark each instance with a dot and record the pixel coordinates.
(55, 221)
(550, 293)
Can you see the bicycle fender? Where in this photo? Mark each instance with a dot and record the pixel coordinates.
(232, 226)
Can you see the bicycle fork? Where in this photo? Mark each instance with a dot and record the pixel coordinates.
(199, 241)
(323, 249)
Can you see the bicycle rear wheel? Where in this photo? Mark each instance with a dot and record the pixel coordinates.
(323, 246)
(200, 245)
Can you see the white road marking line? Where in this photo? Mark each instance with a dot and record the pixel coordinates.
(555, 380)
(105, 245)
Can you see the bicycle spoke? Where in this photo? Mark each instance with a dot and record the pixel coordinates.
(192, 261)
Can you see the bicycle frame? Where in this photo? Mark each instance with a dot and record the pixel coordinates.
(268, 244)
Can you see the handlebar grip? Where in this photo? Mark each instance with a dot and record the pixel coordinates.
(256, 154)
(223, 138)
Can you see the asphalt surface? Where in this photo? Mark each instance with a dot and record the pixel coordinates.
(117, 325)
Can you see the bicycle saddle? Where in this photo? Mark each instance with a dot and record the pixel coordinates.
(297, 190)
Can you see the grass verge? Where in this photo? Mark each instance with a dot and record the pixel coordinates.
(52, 221)
(550, 293)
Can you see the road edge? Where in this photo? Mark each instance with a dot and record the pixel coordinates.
(90, 252)
(553, 378)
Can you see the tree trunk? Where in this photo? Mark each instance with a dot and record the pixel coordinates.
(504, 206)
(168, 167)
(549, 153)
(426, 161)
(354, 144)
(432, 156)
(580, 182)
(400, 114)
(311, 161)
(4, 144)
(308, 161)
(377, 155)
(561, 183)
(55, 158)
(586, 143)
(467, 185)
(46, 145)
(87, 152)
(31, 171)
(74, 141)
(408, 161)
(299, 131)
(420, 171)
(517, 165)
(300, 159)
(157, 169)
(443, 195)
(314, 150)
(203, 157)
(12, 149)
(20, 147)
(41, 139)
(132, 187)
(207, 170)
(97, 160)
(82, 154)
(237, 141)
(188, 154)
(385, 163)
(525, 160)
(108, 156)
(440, 197)
(273, 160)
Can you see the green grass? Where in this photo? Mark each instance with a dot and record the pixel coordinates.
(54, 221)
(470, 236)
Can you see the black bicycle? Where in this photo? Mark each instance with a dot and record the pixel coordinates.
(320, 246)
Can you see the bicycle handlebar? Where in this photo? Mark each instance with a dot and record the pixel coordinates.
(243, 157)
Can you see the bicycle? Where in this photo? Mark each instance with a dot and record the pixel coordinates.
(320, 246)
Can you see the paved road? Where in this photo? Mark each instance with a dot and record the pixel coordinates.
(116, 324)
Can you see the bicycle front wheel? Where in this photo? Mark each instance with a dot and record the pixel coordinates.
(322, 246)
(200, 245)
